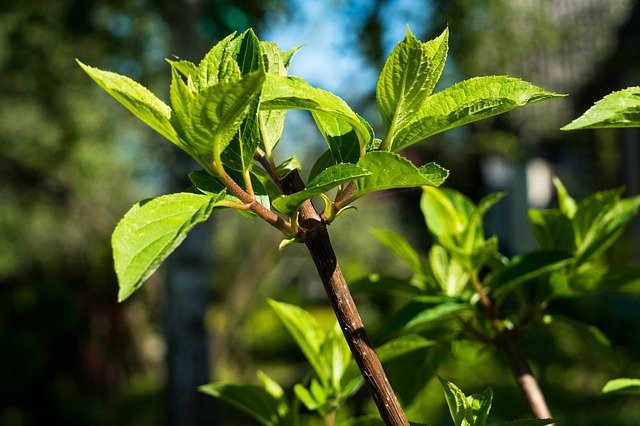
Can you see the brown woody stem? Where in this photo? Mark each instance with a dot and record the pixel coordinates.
(518, 363)
(316, 238)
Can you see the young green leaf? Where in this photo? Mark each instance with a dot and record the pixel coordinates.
(530, 422)
(423, 311)
(389, 170)
(216, 114)
(447, 272)
(217, 66)
(617, 109)
(465, 410)
(307, 334)
(377, 284)
(407, 78)
(137, 99)
(465, 102)
(566, 204)
(446, 212)
(340, 137)
(283, 93)
(251, 399)
(401, 248)
(150, 231)
(597, 231)
(327, 179)
(402, 346)
(552, 229)
(523, 269)
(622, 386)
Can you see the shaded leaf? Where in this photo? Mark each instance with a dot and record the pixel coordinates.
(423, 311)
(531, 422)
(552, 229)
(402, 346)
(522, 269)
(468, 101)
(251, 399)
(150, 231)
(617, 109)
(402, 249)
(377, 284)
(340, 137)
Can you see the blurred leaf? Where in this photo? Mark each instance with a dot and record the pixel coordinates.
(531, 422)
(446, 271)
(150, 231)
(311, 400)
(600, 220)
(593, 339)
(251, 399)
(524, 268)
(617, 109)
(446, 212)
(566, 204)
(468, 101)
(326, 180)
(307, 334)
(423, 311)
(380, 284)
(401, 346)
(553, 230)
(622, 386)
(389, 170)
(402, 249)
(621, 279)
(283, 93)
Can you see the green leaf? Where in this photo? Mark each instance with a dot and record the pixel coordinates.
(216, 113)
(446, 212)
(307, 334)
(468, 101)
(389, 171)
(530, 422)
(401, 248)
(402, 346)
(553, 230)
(566, 204)
(592, 338)
(465, 410)
(327, 179)
(617, 109)
(150, 231)
(251, 399)
(621, 279)
(340, 137)
(423, 311)
(447, 272)
(408, 77)
(246, 50)
(525, 268)
(595, 230)
(283, 93)
(217, 66)
(376, 284)
(137, 99)
(622, 386)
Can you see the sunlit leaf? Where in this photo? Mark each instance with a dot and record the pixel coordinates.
(617, 109)
(150, 231)
(622, 386)
(284, 93)
(423, 311)
(468, 101)
(307, 334)
(137, 99)
(389, 170)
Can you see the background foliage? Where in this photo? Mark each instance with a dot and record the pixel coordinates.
(67, 173)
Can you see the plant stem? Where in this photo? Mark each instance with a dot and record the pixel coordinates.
(524, 377)
(518, 363)
(316, 238)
